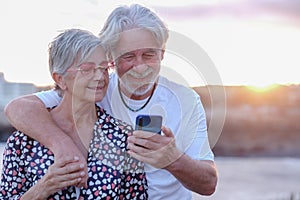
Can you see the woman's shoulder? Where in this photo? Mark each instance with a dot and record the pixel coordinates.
(18, 138)
(114, 130)
(20, 141)
(103, 117)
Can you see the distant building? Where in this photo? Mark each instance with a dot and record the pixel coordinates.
(8, 90)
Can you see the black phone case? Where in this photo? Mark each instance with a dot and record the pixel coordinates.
(151, 123)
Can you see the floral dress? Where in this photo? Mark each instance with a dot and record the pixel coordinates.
(113, 174)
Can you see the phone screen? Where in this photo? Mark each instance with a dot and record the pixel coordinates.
(151, 123)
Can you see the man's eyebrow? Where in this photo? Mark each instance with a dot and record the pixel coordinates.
(133, 51)
(130, 52)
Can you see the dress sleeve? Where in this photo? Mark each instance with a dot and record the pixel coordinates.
(13, 179)
(50, 98)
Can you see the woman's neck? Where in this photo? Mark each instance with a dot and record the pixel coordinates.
(75, 112)
(76, 120)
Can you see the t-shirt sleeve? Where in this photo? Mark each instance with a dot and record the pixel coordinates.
(193, 137)
(50, 98)
(200, 147)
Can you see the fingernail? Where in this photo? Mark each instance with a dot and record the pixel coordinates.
(76, 158)
(81, 165)
(82, 173)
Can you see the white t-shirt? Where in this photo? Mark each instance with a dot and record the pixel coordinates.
(182, 112)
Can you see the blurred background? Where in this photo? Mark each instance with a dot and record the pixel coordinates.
(254, 47)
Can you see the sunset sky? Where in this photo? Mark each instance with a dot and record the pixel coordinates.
(254, 42)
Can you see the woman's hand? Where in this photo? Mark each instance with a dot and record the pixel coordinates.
(61, 174)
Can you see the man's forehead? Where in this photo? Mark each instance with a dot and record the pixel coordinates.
(142, 50)
(136, 39)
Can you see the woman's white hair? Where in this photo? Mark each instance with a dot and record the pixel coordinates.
(71, 48)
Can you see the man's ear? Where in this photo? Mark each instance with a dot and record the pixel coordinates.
(162, 54)
(58, 78)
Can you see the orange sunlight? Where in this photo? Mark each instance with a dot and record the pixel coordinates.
(262, 88)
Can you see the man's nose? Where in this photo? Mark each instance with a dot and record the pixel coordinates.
(139, 65)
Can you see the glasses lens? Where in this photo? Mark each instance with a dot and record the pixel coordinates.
(87, 69)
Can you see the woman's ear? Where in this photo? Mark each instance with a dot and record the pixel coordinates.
(58, 78)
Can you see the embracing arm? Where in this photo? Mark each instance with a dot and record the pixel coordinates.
(29, 115)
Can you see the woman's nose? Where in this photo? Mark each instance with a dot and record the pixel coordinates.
(100, 74)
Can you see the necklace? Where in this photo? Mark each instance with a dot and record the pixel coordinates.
(127, 106)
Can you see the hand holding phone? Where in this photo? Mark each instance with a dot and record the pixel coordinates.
(151, 123)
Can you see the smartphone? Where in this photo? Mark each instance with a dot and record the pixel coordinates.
(151, 123)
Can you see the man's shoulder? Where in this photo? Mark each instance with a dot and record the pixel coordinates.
(113, 79)
(49, 97)
(112, 85)
(175, 88)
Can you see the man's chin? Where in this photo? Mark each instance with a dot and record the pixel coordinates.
(142, 90)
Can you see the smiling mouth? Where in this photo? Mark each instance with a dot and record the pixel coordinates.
(98, 87)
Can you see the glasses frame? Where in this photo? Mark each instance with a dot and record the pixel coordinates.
(92, 71)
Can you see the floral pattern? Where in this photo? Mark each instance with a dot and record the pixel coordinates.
(113, 174)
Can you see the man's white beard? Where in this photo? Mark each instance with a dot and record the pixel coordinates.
(141, 87)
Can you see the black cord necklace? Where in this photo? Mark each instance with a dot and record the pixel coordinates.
(127, 106)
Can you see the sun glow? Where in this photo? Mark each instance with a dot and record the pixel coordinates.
(262, 88)
(251, 49)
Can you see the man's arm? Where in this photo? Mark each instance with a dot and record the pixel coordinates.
(199, 176)
(29, 115)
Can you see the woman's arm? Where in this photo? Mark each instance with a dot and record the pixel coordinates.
(29, 115)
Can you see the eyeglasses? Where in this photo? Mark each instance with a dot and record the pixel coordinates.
(89, 69)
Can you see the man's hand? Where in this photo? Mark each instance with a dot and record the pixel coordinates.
(154, 149)
(160, 151)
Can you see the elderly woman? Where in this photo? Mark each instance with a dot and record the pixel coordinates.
(79, 67)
